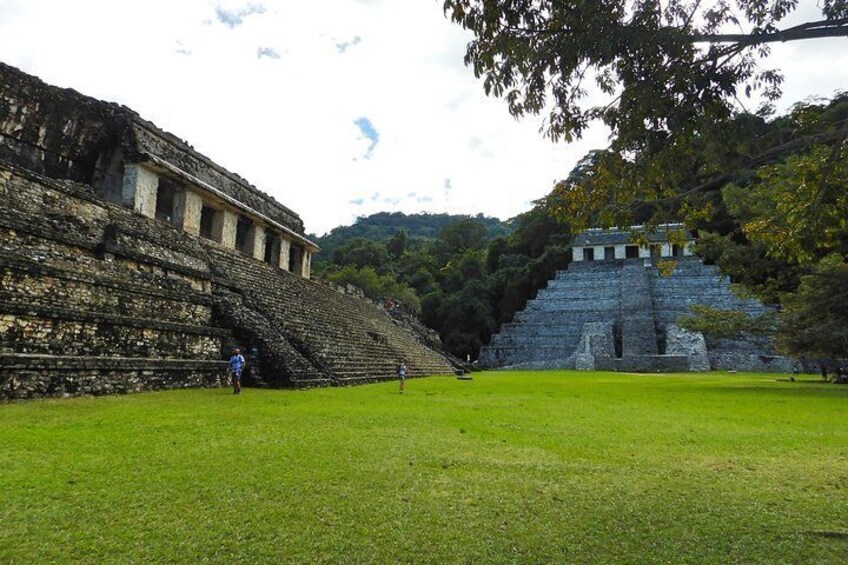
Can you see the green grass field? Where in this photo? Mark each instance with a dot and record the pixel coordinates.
(510, 467)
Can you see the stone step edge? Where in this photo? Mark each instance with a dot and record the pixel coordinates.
(31, 361)
(66, 314)
(105, 247)
(183, 294)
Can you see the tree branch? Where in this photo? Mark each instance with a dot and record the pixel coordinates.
(809, 30)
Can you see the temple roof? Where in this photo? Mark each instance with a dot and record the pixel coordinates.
(64, 134)
(615, 236)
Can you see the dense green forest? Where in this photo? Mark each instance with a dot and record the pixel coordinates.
(463, 275)
(383, 225)
(776, 222)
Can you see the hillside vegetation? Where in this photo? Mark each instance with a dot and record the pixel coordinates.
(466, 279)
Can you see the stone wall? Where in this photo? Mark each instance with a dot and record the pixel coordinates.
(56, 131)
(77, 319)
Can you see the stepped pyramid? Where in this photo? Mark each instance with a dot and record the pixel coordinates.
(130, 262)
(619, 313)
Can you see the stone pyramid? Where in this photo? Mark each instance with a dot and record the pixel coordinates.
(621, 314)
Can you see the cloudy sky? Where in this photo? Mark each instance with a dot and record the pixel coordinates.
(337, 108)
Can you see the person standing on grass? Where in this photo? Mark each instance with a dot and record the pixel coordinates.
(401, 371)
(235, 368)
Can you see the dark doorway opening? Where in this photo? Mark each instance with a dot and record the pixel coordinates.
(243, 233)
(272, 249)
(165, 200)
(207, 222)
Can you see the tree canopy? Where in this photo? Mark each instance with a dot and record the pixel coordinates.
(668, 78)
(662, 65)
(664, 77)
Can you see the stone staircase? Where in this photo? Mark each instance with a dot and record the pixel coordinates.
(346, 340)
(96, 299)
(638, 330)
(550, 326)
(638, 307)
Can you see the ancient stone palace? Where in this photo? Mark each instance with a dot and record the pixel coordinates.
(614, 309)
(129, 261)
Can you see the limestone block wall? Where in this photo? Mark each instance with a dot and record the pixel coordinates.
(551, 325)
(55, 131)
(77, 319)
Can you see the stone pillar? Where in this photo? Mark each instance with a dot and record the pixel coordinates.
(307, 264)
(187, 209)
(285, 253)
(666, 250)
(687, 249)
(644, 252)
(224, 228)
(620, 251)
(139, 189)
(599, 252)
(576, 253)
(256, 242)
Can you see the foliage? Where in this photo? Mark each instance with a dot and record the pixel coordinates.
(662, 76)
(384, 226)
(813, 321)
(797, 208)
(749, 265)
(376, 286)
(360, 253)
(547, 467)
(467, 283)
(729, 324)
(773, 192)
(397, 244)
(463, 235)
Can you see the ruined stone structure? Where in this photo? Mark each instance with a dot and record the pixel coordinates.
(614, 310)
(597, 244)
(128, 261)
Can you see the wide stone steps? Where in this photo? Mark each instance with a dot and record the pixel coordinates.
(342, 333)
(136, 288)
(50, 375)
(45, 287)
(56, 331)
(539, 318)
(548, 307)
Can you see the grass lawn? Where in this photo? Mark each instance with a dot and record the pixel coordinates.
(510, 467)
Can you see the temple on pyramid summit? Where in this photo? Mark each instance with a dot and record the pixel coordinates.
(613, 309)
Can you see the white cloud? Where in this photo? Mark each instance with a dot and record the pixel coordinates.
(267, 90)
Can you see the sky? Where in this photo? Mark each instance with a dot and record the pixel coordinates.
(337, 108)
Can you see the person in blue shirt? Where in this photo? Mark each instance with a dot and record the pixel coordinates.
(235, 368)
(401, 372)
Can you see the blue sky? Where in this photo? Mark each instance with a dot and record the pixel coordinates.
(337, 108)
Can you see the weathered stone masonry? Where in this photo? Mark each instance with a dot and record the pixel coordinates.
(129, 161)
(612, 309)
(101, 294)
